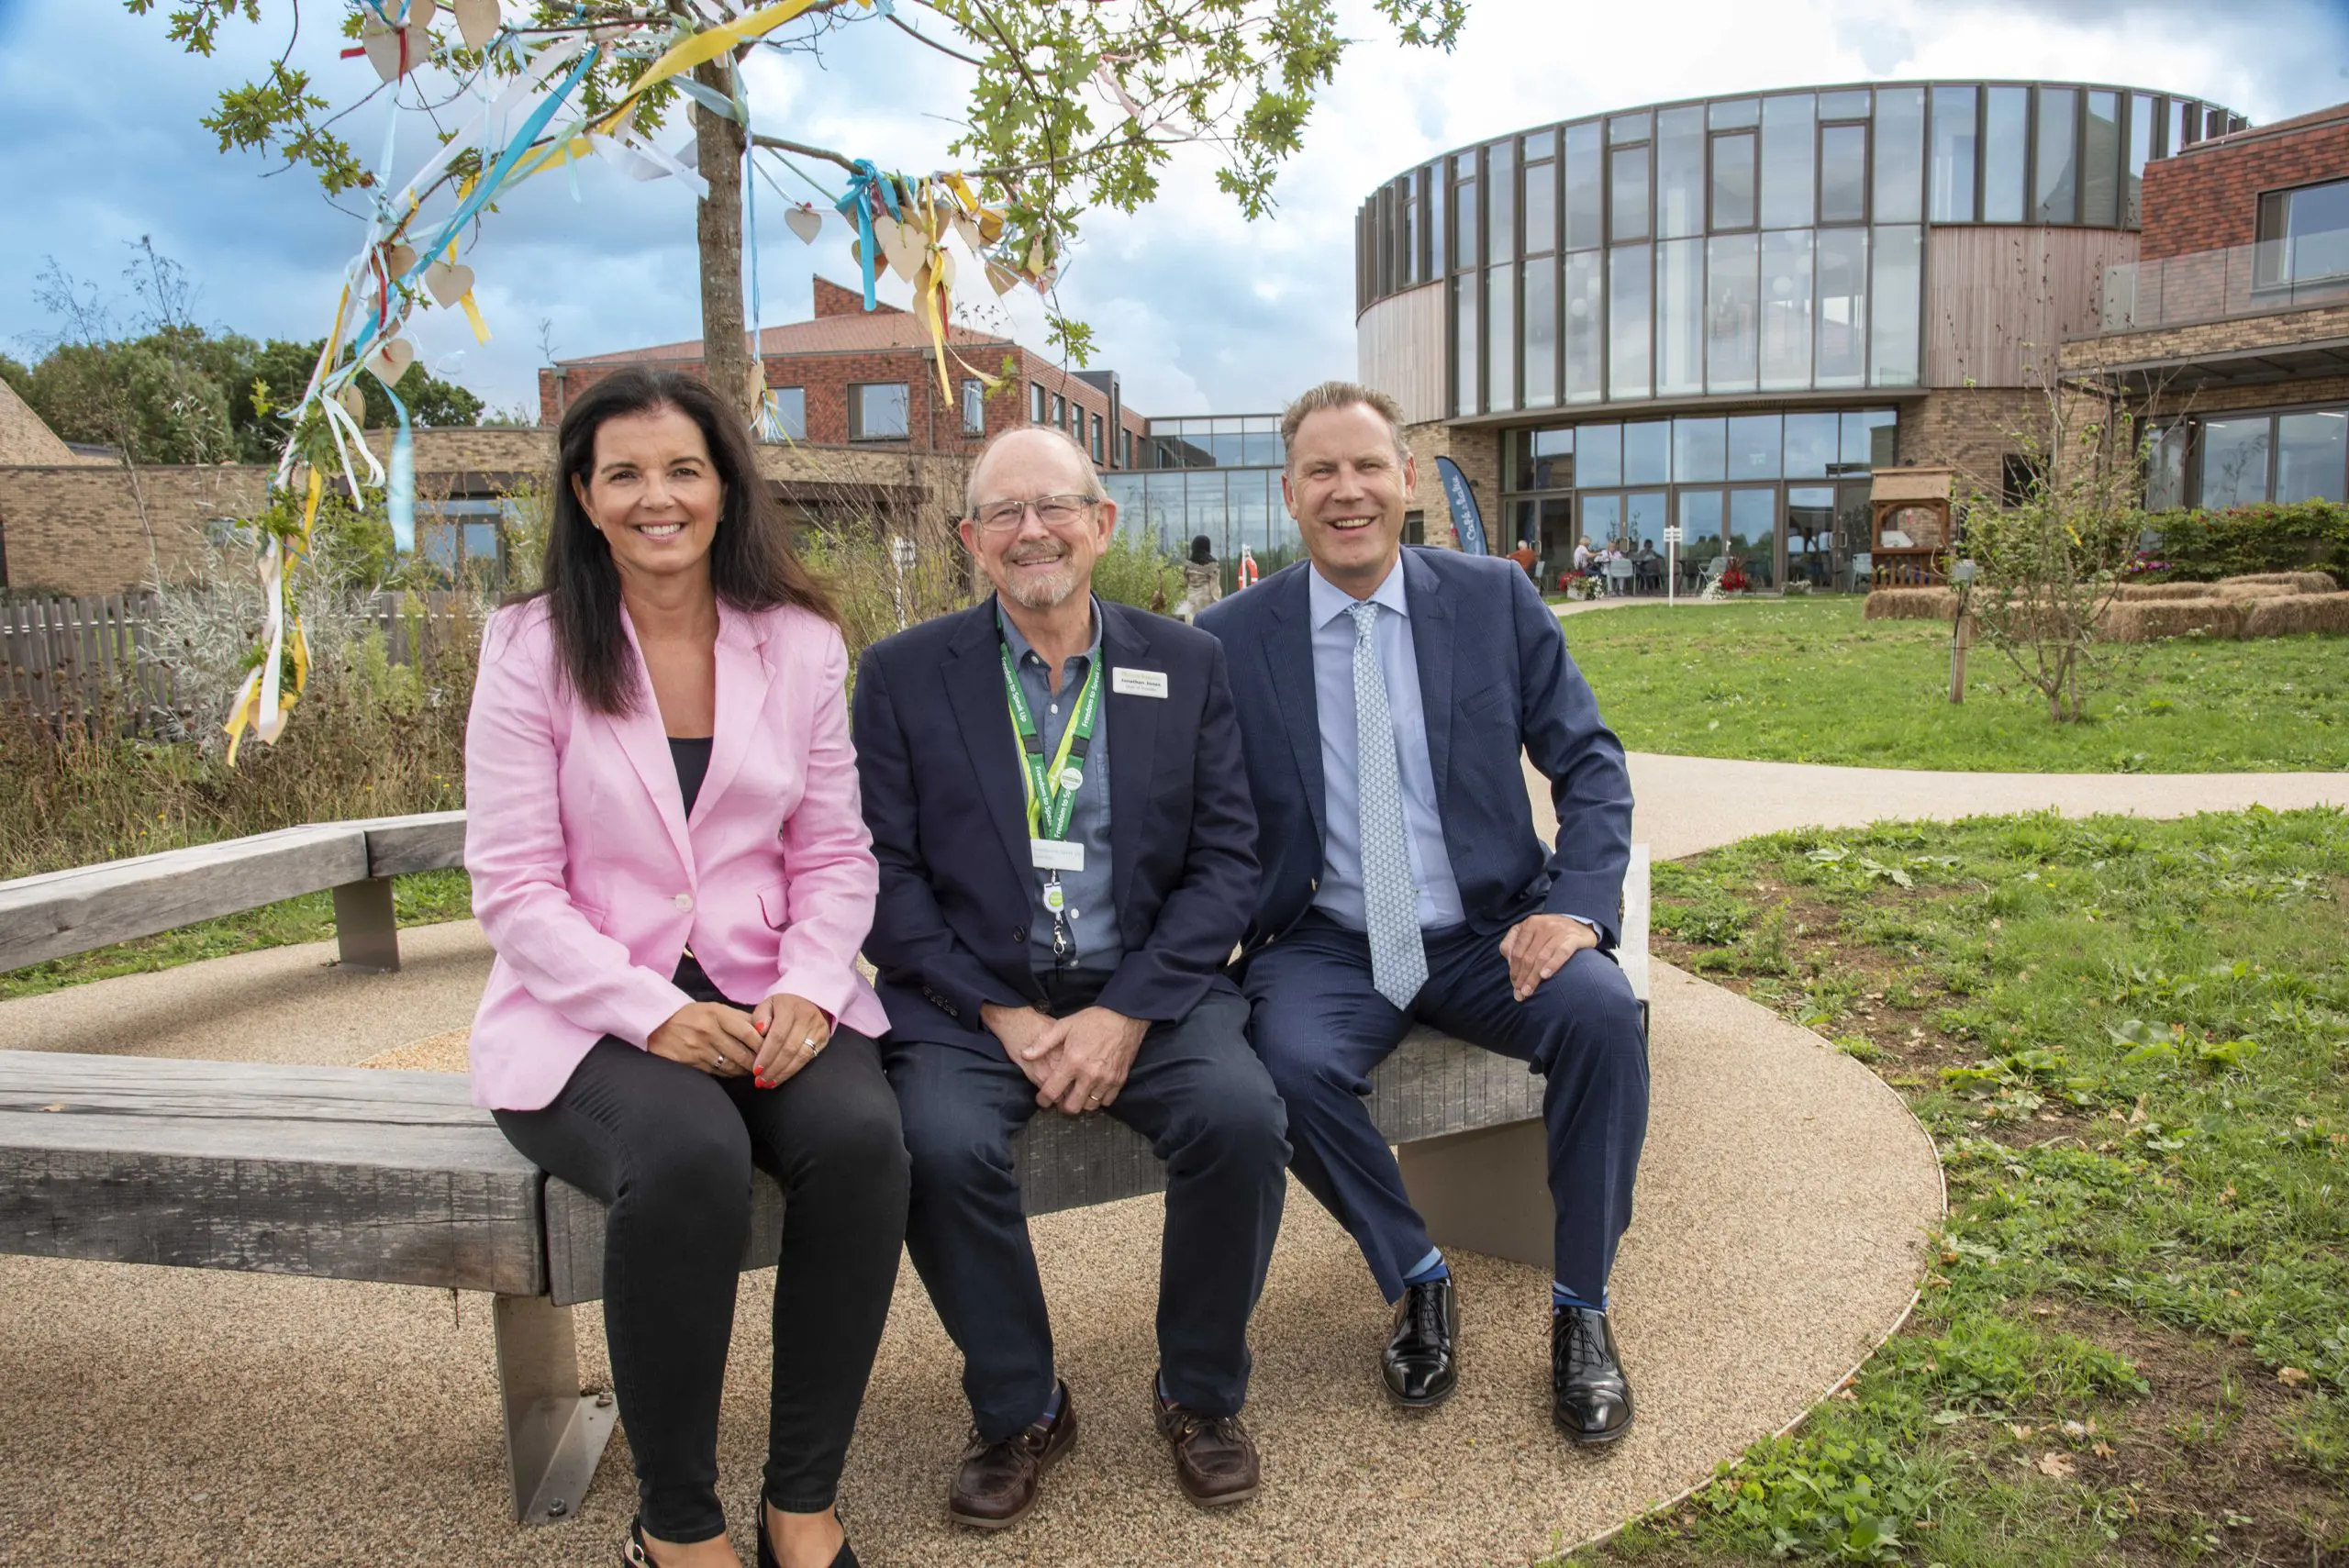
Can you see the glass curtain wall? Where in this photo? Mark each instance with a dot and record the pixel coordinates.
(1739, 245)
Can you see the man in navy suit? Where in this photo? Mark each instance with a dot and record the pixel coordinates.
(1386, 695)
(1067, 859)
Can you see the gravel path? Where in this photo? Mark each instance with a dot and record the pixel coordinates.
(191, 1418)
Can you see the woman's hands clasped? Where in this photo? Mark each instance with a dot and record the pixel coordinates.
(772, 1041)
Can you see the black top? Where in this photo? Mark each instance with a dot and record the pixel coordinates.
(691, 760)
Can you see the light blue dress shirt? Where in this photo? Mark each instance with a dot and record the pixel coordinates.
(1340, 896)
(1092, 916)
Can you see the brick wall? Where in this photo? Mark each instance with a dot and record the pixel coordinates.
(2207, 197)
(1478, 453)
(1972, 429)
(2206, 338)
(82, 530)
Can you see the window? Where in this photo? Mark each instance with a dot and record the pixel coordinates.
(1500, 346)
(1500, 200)
(2166, 469)
(1733, 314)
(2308, 448)
(1585, 322)
(1786, 310)
(2303, 234)
(1680, 317)
(1540, 332)
(1464, 219)
(1679, 173)
(1647, 453)
(1699, 453)
(1900, 153)
(878, 411)
(1899, 276)
(974, 408)
(1843, 174)
(2020, 478)
(1841, 318)
(1035, 402)
(786, 415)
(1434, 189)
(2142, 124)
(1465, 384)
(2056, 187)
(1541, 207)
(1733, 181)
(1098, 446)
(2005, 136)
(1628, 192)
(2234, 462)
(1628, 314)
(1787, 167)
(2100, 161)
(1060, 411)
(1953, 155)
(1125, 449)
(1585, 197)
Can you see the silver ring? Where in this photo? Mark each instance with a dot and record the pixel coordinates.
(810, 1045)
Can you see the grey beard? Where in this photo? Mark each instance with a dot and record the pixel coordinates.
(1046, 594)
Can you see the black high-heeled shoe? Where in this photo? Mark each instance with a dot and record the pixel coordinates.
(844, 1558)
(634, 1553)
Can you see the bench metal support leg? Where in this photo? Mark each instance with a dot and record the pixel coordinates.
(554, 1434)
(1486, 1190)
(367, 937)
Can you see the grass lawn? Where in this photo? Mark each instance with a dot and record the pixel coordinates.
(1809, 680)
(418, 900)
(2129, 1041)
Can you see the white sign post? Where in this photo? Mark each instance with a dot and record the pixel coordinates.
(1671, 564)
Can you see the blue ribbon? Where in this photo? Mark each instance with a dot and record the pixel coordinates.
(864, 187)
(399, 477)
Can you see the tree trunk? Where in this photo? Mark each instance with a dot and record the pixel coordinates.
(717, 228)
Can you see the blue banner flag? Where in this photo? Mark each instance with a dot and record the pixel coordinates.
(1467, 523)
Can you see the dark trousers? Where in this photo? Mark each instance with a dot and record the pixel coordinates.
(1320, 1028)
(1202, 1100)
(670, 1149)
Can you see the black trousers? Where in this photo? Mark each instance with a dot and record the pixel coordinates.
(1204, 1101)
(670, 1149)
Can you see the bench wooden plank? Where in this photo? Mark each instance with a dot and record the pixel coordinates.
(399, 846)
(337, 1173)
(74, 911)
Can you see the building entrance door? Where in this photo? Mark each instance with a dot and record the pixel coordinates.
(1700, 515)
(1811, 533)
(1754, 534)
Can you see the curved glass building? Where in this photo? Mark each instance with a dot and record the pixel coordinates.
(1725, 313)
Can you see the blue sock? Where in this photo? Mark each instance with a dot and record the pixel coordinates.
(1431, 1267)
(1561, 1296)
(1053, 1411)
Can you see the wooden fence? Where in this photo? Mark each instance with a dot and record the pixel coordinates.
(93, 659)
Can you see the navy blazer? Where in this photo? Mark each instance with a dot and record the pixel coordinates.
(1495, 682)
(940, 774)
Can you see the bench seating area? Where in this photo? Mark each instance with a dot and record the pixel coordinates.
(397, 1178)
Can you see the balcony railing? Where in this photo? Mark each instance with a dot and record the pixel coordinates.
(2223, 286)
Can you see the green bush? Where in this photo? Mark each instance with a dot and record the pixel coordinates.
(2202, 547)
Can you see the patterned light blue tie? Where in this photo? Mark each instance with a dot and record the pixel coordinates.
(1398, 959)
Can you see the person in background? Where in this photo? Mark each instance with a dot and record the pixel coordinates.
(1247, 567)
(1202, 579)
(1388, 697)
(1650, 567)
(1523, 555)
(1067, 859)
(669, 859)
(1582, 554)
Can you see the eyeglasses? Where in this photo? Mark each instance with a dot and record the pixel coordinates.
(1052, 511)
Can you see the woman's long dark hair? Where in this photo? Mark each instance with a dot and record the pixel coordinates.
(751, 564)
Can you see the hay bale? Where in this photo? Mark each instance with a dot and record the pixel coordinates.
(2298, 581)
(2242, 590)
(2149, 620)
(2298, 613)
(1911, 604)
(2132, 592)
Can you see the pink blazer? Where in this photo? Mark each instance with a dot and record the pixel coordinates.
(590, 879)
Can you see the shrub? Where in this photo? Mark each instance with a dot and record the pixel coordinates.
(2206, 546)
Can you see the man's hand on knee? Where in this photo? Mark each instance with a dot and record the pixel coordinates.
(1538, 946)
(1023, 1031)
(1089, 1053)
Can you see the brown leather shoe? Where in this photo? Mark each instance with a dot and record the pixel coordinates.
(1215, 1459)
(997, 1481)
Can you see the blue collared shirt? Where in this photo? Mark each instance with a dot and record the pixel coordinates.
(1091, 917)
(1340, 896)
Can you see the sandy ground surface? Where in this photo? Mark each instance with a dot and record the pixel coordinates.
(187, 1418)
(1784, 1204)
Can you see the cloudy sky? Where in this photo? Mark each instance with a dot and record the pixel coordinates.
(1196, 309)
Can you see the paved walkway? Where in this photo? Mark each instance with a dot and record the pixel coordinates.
(191, 1417)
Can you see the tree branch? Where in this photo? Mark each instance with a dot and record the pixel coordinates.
(952, 55)
(781, 145)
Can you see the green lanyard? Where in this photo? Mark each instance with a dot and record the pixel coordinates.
(1052, 788)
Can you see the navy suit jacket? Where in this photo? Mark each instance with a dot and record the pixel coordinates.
(1496, 683)
(940, 774)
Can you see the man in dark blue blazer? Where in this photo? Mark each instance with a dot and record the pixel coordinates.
(1067, 859)
(1385, 697)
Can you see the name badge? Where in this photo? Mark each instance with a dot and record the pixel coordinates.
(1137, 683)
(1056, 854)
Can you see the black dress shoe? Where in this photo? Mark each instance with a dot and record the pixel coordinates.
(1590, 1398)
(1421, 1366)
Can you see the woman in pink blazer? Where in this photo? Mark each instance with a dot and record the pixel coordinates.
(668, 854)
